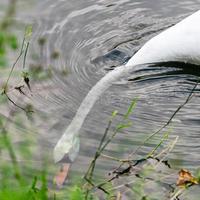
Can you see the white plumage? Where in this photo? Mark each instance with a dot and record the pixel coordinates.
(179, 43)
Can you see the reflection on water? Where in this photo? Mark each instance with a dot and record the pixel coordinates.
(93, 37)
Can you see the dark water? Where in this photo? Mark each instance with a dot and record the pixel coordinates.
(92, 36)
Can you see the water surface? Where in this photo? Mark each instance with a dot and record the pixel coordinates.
(93, 36)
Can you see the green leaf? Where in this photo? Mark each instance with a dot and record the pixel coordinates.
(114, 113)
(2, 51)
(131, 108)
(2, 38)
(28, 32)
(122, 126)
(76, 194)
(3, 61)
(165, 137)
(25, 74)
(197, 173)
(8, 194)
(12, 41)
(2, 143)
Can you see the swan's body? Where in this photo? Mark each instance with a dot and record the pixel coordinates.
(180, 43)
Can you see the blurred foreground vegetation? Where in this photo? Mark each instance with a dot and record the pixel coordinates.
(19, 182)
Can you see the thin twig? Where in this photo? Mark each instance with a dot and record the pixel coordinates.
(14, 64)
(14, 103)
(170, 119)
(25, 54)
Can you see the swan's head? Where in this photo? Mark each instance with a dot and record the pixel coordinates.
(67, 148)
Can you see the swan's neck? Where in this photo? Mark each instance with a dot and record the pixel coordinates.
(101, 86)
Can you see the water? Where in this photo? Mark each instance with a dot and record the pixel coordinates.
(93, 36)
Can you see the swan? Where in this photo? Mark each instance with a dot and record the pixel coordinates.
(179, 43)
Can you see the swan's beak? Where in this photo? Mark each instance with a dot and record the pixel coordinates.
(61, 176)
(65, 159)
(65, 152)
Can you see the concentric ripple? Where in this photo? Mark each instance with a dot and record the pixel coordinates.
(94, 37)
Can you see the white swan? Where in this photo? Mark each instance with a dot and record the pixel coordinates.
(179, 43)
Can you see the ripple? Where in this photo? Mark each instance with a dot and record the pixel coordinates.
(94, 36)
